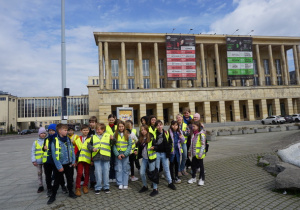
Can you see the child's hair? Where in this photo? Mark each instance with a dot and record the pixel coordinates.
(179, 115)
(125, 131)
(141, 137)
(61, 126)
(102, 126)
(158, 122)
(128, 124)
(150, 118)
(186, 109)
(197, 123)
(71, 127)
(93, 119)
(173, 123)
(129, 121)
(111, 116)
(84, 126)
(145, 118)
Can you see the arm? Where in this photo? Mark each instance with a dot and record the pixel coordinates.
(128, 150)
(203, 141)
(33, 160)
(115, 151)
(181, 138)
(187, 131)
(56, 162)
(72, 152)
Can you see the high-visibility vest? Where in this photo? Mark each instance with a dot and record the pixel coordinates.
(38, 151)
(151, 153)
(198, 147)
(102, 145)
(165, 133)
(152, 131)
(78, 142)
(74, 137)
(46, 151)
(109, 130)
(134, 131)
(85, 155)
(184, 126)
(121, 144)
(58, 149)
(172, 146)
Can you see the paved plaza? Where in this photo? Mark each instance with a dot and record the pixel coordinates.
(233, 181)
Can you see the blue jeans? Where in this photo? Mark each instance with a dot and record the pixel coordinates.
(145, 162)
(184, 157)
(122, 171)
(101, 173)
(161, 156)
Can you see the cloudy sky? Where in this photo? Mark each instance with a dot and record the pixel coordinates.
(30, 36)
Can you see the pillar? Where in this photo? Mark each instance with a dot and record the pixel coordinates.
(123, 81)
(156, 69)
(276, 106)
(203, 65)
(107, 70)
(192, 107)
(263, 108)
(296, 64)
(206, 109)
(175, 110)
(140, 61)
(259, 68)
(218, 65)
(222, 111)
(142, 111)
(250, 110)
(236, 111)
(284, 70)
(104, 111)
(289, 106)
(272, 68)
(159, 111)
(101, 72)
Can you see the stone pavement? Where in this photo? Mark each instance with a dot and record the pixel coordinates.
(233, 181)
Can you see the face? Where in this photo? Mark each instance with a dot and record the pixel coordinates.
(43, 135)
(143, 131)
(63, 132)
(195, 127)
(186, 114)
(92, 124)
(51, 132)
(121, 128)
(196, 118)
(85, 131)
(160, 127)
(179, 119)
(70, 132)
(153, 120)
(174, 127)
(143, 121)
(111, 120)
(99, 131)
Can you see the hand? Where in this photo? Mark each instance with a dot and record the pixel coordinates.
(120, 157)
(35, 163)
(111, 137)
(180, 136)
(95, 150)
(135, 152)
(74, 165)
(152, 148)
(61, 170)
(45, 147)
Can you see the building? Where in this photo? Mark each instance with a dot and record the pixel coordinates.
(133, 73)
(8, 107)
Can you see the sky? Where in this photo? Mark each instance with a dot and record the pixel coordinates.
(30, 33)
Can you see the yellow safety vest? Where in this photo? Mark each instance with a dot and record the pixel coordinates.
(151, 153)
(121, 144)
(109, 130)
(46, 151)
(102, 145)
(165, 133)
(173, 146)
(134, 131)
(58, 149)
(38, 151)
(184, 125)
(198, 147)
(85, 155)
(151, 130)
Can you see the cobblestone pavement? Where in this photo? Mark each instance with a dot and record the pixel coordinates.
(232, 181)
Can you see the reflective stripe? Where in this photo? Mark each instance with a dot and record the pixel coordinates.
(152, 154)
(108, 150)
(98, 143)
(37, 150)
(123, 146)
(85, 150)
(122, 142)
(85, 156)
(105, 143)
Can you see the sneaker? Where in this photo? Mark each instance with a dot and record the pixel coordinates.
(144, 189)
(64, 189)
(120, 187)
(125, 187)
(85, 189)
(49, 192)
(97, 192)
(51, 199)
(78, 192)
(179, 173)
(114, 180)
(72, 195)
(41, 189)
(154, 192)
(133, 178)
(177, 181)
(184, 173)
(192, 180)
(172, 186)
(201, 182)
(107, 191)
(110, 180)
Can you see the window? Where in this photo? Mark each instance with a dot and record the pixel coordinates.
(161, 67)
(115, 68)
(146, 68)
(93, 81)
(162, 83)
(268, 81)
(215, 66)
(243, 82)
(266, 66)
(2, 99)
(2, 123)
(255, 81)
(277, 65)
(255, 66)
(130, 68)
(115, 84)
(130, 83)
(257, 110)
(279, 80)
(146, 83)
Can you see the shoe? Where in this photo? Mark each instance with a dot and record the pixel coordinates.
(81, 183)
(107, 191)
(72, 195)
(172, 186)
(201, 182)
(64, 189)
(177, 181)
(133, 178)
(192, 180)
(92, 185)
(110, 181)
(184, 173)
(120, 187)
(97, 192)
(78, 192)
(49, 192)
(154, 192)
(114, 180)
(179, 173)
(41, 189)
(51, 199)
(144, 189)
(125, 187)
(85, 189)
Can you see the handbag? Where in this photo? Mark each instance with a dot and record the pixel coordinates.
(153, 175)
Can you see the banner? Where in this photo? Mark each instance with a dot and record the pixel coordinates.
(181, 58)
(239, 58)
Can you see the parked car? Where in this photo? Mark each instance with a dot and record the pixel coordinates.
(288, 118)
(270, 120)
(296, 117)
(25, 131)
(280, 119)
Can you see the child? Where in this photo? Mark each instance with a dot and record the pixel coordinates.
(37, 156)
(92, 124)
(100, 146)
(144, 120)
(122, 150)
(176, 152)
(132, 156)
(151, 124)
(64, 159)
(110, 129)
(162, 146)
(146, 151)
(73, 137)
(84, 160)
(187, 118)
(197, 152)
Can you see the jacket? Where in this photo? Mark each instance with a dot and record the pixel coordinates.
(98, 156)
(128, 149)
(40, 143)
(180, 141)
(165, 146)
(198, 140)
(141, 147)
(66, 152)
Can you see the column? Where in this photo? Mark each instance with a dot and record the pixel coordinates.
(156, 69)
(222, 111)
(104, 111)
(192, 107)
(289, 106)
(159, 111)
(175, 110)
(284, 70)
(272, 68)
(203, 65)
(218, 65)
(125, 105)
(250, 110)
(287, 67)
(142, 111)
(263, 108)
(259, 68)
(276, 106)
(207, 114)
(101, 73)
(140, 60)
(123, 67)
(107, 70)
(296, 64)
(236, 111)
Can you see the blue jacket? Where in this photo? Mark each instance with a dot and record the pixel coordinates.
(66, 155)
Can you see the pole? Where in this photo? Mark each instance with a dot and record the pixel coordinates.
(63, 64)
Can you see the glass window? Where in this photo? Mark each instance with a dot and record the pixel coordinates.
(277, 65)
(114, 68)
(161, 67)
(255, 66)
(146, 83)
(279, 81)
(3, 99)
(255, 81)
(146, 68)
(130, 68)
(130, 83)
(268, 81)
(115, 84)
(162, 83)
(266, 66)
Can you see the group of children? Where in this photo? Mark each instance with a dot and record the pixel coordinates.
(108, 153)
